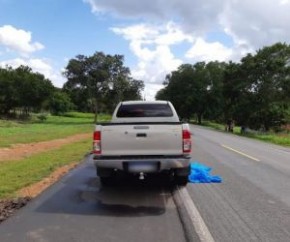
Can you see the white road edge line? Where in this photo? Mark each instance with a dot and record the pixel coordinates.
(195, 217)
(241, 153)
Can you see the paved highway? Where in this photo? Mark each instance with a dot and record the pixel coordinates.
(78, 209)
(251, 204)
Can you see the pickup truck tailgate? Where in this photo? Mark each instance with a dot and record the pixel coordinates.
(155, 139)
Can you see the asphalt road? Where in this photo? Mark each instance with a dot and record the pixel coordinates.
(79, 209)
(251, 204)
(253, 201)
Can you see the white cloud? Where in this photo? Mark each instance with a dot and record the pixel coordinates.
(37, 65)
(18, 40)
(250, 24)
(151, 45)
(282, 2)
(155, 70)
(151, 90)
(256, 22)
(204, 51)
(190, 13)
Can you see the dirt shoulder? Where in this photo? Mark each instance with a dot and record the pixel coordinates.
(36, 188)
(9, 206)
(19, 151)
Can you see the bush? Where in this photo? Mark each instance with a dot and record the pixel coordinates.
(60, 103)
(42, 117)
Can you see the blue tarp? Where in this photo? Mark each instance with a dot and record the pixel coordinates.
(201, 174)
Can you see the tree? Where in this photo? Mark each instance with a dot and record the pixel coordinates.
(60, 103)
(213, 78)
(8, 91)
(178, 89)
(254, 92)
(233, 92)
(23, 89)
(268, 77)
(33, 89)
(195, 89)
(99, 81)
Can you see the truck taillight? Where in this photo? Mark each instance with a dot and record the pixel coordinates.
(97, 142)
(186, 138)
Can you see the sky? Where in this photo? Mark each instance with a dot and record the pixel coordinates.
(155, 36)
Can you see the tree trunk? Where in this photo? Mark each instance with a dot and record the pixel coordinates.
(199, 115)
(96, 114)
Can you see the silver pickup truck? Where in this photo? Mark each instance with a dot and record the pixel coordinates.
(143, 137)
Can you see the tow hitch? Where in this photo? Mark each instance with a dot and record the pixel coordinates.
(141, 176)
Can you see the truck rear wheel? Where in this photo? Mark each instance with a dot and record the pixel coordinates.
(105, 175)
(181, 176)
(106, 181)
(104, 172)
(181, 180)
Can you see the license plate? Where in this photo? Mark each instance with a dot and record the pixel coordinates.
(142, 167)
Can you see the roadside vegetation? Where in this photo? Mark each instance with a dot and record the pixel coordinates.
(32, 110)
(95, 84)
(282, 138)
(253, 93)
(52, 127)
(279, 138)
(15, 175)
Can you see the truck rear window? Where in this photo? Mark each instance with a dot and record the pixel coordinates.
(144, 110)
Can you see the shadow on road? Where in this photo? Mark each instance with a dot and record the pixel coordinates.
(81, 193)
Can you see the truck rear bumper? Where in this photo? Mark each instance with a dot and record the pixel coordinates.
(145, 164)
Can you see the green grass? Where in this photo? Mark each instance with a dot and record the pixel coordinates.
(213, 125)
(279, 139)
(272, 138)
(79, 115)
(15, 175)
(101, 117)
(53, 127)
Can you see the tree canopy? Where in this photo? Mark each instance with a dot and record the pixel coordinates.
(94, 83)
(254, 92)
(99, 82)
(23, 89)
(195, 89)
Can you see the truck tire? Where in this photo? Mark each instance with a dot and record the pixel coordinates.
(181, 180)
(106, 181)
(104, 172)
(181, 176)
(105, 175)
